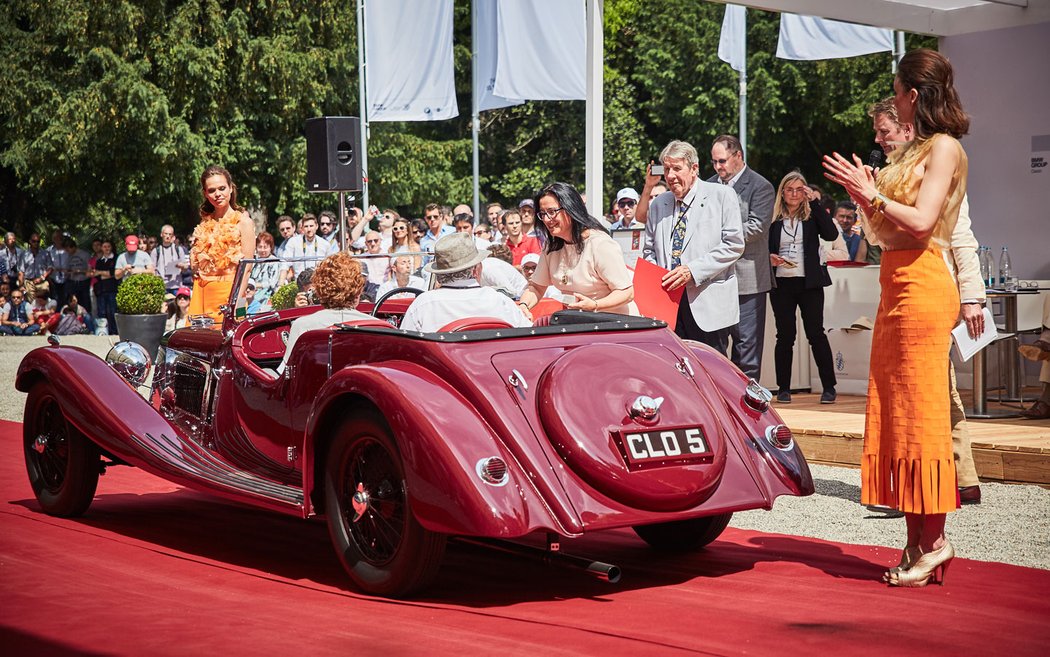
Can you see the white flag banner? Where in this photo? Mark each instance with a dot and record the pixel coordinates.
(485, 28)
(541, 50)
(732, 45)
(408, 52)
(809, 37)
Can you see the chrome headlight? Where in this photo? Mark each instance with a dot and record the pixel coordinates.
(130, 361)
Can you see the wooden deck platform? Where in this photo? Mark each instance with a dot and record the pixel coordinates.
(1011, 450)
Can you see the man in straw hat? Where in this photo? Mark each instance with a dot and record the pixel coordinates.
(457, 268)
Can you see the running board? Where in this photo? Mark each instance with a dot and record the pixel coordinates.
(196, 467)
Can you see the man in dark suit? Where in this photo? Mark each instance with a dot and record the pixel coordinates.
(753, 275)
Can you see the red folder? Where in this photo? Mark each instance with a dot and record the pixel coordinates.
(652, 299)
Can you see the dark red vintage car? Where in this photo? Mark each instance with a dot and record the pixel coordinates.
(401, 440)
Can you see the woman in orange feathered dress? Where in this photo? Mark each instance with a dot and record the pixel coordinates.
(224, 236)
(911, 211)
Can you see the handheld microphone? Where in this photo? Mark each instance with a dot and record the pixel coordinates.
(875, 159)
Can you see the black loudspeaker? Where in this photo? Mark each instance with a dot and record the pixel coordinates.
(333, 145)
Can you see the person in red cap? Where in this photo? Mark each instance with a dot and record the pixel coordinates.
(224, 236)
(178, 309)
(132, 261)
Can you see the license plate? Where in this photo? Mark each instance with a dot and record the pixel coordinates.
(658, 447)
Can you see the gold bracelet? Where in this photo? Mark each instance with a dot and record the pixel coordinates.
(878, 202)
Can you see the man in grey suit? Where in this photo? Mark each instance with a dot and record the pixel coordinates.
(694, 231)
(754, 278)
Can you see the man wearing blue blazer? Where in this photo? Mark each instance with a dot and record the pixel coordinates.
(694, 231)
(754, 278)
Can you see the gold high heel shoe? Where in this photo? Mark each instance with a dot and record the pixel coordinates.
(910, 555)
(930, 566)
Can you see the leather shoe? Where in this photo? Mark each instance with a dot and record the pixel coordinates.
(970, 494)
(784, 397)
(1038, 350)
(1037, 411)
(828, 396)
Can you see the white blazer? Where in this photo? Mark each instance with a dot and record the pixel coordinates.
(714, 240)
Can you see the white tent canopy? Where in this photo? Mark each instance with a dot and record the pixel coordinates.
(934, 17)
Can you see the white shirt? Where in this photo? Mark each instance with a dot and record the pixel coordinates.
(413, 281)
(434, 309)
(503, 276)
(298, 247)
(376, 268)
(791, 249)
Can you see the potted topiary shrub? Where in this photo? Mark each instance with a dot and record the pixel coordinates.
(284, 297)
(140, 311)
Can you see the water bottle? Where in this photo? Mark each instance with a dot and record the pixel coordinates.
(1006, 275)
(982, 260)
(989, 266)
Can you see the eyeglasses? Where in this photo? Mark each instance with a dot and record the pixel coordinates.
(626, 203)
(548, 215)
(794, 190)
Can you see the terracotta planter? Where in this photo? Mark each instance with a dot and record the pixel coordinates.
(146, 330)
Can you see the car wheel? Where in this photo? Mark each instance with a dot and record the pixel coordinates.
(63, 465)
(683, 535)
(376, 536)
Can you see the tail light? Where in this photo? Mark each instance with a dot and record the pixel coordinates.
(493, 471)
(779, 436)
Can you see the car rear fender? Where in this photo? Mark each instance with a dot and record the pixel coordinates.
(101, 404)
(780, 471)
(441, 438)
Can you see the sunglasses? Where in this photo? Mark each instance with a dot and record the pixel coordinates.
(326, 223)
(627, 203)
(399, 228)
(14, 298)
(371, 241)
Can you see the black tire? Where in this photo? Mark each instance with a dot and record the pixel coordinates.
(63, 465)
(683, 535)
(385, 550)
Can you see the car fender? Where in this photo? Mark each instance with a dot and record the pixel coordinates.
(97, 400)
(441, 438)
(781, 472)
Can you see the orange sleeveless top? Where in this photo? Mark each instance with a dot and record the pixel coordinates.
(217, 246)
(900, 182)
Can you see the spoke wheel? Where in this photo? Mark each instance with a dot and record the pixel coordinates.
(684, 535)
(379, 542)
(62, 464)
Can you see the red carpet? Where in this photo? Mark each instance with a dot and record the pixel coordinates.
(154, 569)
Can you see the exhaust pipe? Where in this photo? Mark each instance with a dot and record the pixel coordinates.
(551, 556)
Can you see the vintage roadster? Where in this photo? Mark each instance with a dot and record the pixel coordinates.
(400, 440)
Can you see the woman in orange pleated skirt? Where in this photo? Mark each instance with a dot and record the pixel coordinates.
(911, 211)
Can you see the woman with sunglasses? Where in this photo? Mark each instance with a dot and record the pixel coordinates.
(799, 223)
(405, 241)
(580, 258)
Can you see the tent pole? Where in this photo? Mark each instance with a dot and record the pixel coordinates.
(475, 121)
(594, 166)
(743, 93)
(362, 101)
